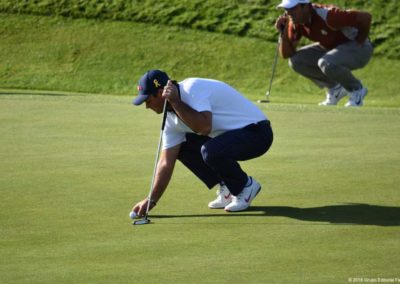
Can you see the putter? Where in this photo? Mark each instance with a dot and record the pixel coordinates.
(146, 220)
(141, 221)
(273, 68)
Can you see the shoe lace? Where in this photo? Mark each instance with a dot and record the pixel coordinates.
(333, 91)
(355, 96)
(221, 190)
(241, 195)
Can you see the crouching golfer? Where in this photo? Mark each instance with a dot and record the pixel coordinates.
(209, 127)
(342, 45)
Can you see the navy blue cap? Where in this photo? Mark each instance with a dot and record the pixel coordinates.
(148, 85)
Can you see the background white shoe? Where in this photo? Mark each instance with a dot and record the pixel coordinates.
(244, 199)
(356, 98)
(334, 95)
(224, 197)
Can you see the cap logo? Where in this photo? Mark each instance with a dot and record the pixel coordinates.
(139, 88)
(156, 84)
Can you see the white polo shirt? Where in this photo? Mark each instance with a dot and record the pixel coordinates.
(230, 109)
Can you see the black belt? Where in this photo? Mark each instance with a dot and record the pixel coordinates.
(266, 123)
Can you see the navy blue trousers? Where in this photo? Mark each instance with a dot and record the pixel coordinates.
(215, 160)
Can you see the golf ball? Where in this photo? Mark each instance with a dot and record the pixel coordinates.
(132, 215)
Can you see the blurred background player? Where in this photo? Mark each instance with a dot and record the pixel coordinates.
(342, 45)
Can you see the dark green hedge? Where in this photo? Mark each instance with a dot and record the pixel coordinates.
(253, 18)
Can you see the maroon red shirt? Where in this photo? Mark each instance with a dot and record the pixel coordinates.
(330, 26)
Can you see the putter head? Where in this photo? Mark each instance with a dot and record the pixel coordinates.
(266, 98)
(141, 222)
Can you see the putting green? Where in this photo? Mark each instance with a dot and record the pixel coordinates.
(72, 166)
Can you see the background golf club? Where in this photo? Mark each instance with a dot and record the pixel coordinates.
(281, 28)
(146, 220)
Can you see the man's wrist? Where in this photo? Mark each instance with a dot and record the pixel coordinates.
(152, 202)
(176, 104)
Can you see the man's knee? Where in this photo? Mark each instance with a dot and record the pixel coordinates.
(295, 62)
(292, 62)
(323, 64)
(209, 156)
(326, 65)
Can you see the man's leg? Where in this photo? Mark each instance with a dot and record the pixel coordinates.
(190, 156)
(338, 63)
(222, 153)
(305, 62)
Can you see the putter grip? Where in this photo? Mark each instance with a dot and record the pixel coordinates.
(164, 116)
(167, 106)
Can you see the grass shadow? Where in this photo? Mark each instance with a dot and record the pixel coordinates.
(359, 214)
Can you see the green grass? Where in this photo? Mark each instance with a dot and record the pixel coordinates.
(72, 167)
(50, 53)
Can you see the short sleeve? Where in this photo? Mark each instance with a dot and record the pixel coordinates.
(172, 134)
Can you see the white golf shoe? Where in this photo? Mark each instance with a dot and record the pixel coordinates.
(334, 95)
(357, 97)
(244, 199)
(224, 197)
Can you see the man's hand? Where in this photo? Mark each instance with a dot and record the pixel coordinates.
(141, 207)
(281, 23)
(171, 92)
(199, 122)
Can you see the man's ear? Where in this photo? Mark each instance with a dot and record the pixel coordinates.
(159, 92)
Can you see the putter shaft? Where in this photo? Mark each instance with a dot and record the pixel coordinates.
(145, 220)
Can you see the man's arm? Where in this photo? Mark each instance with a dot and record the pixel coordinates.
(199, 122)
(338, 19)
(287, 47)
(165, 168)
(363, 24)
